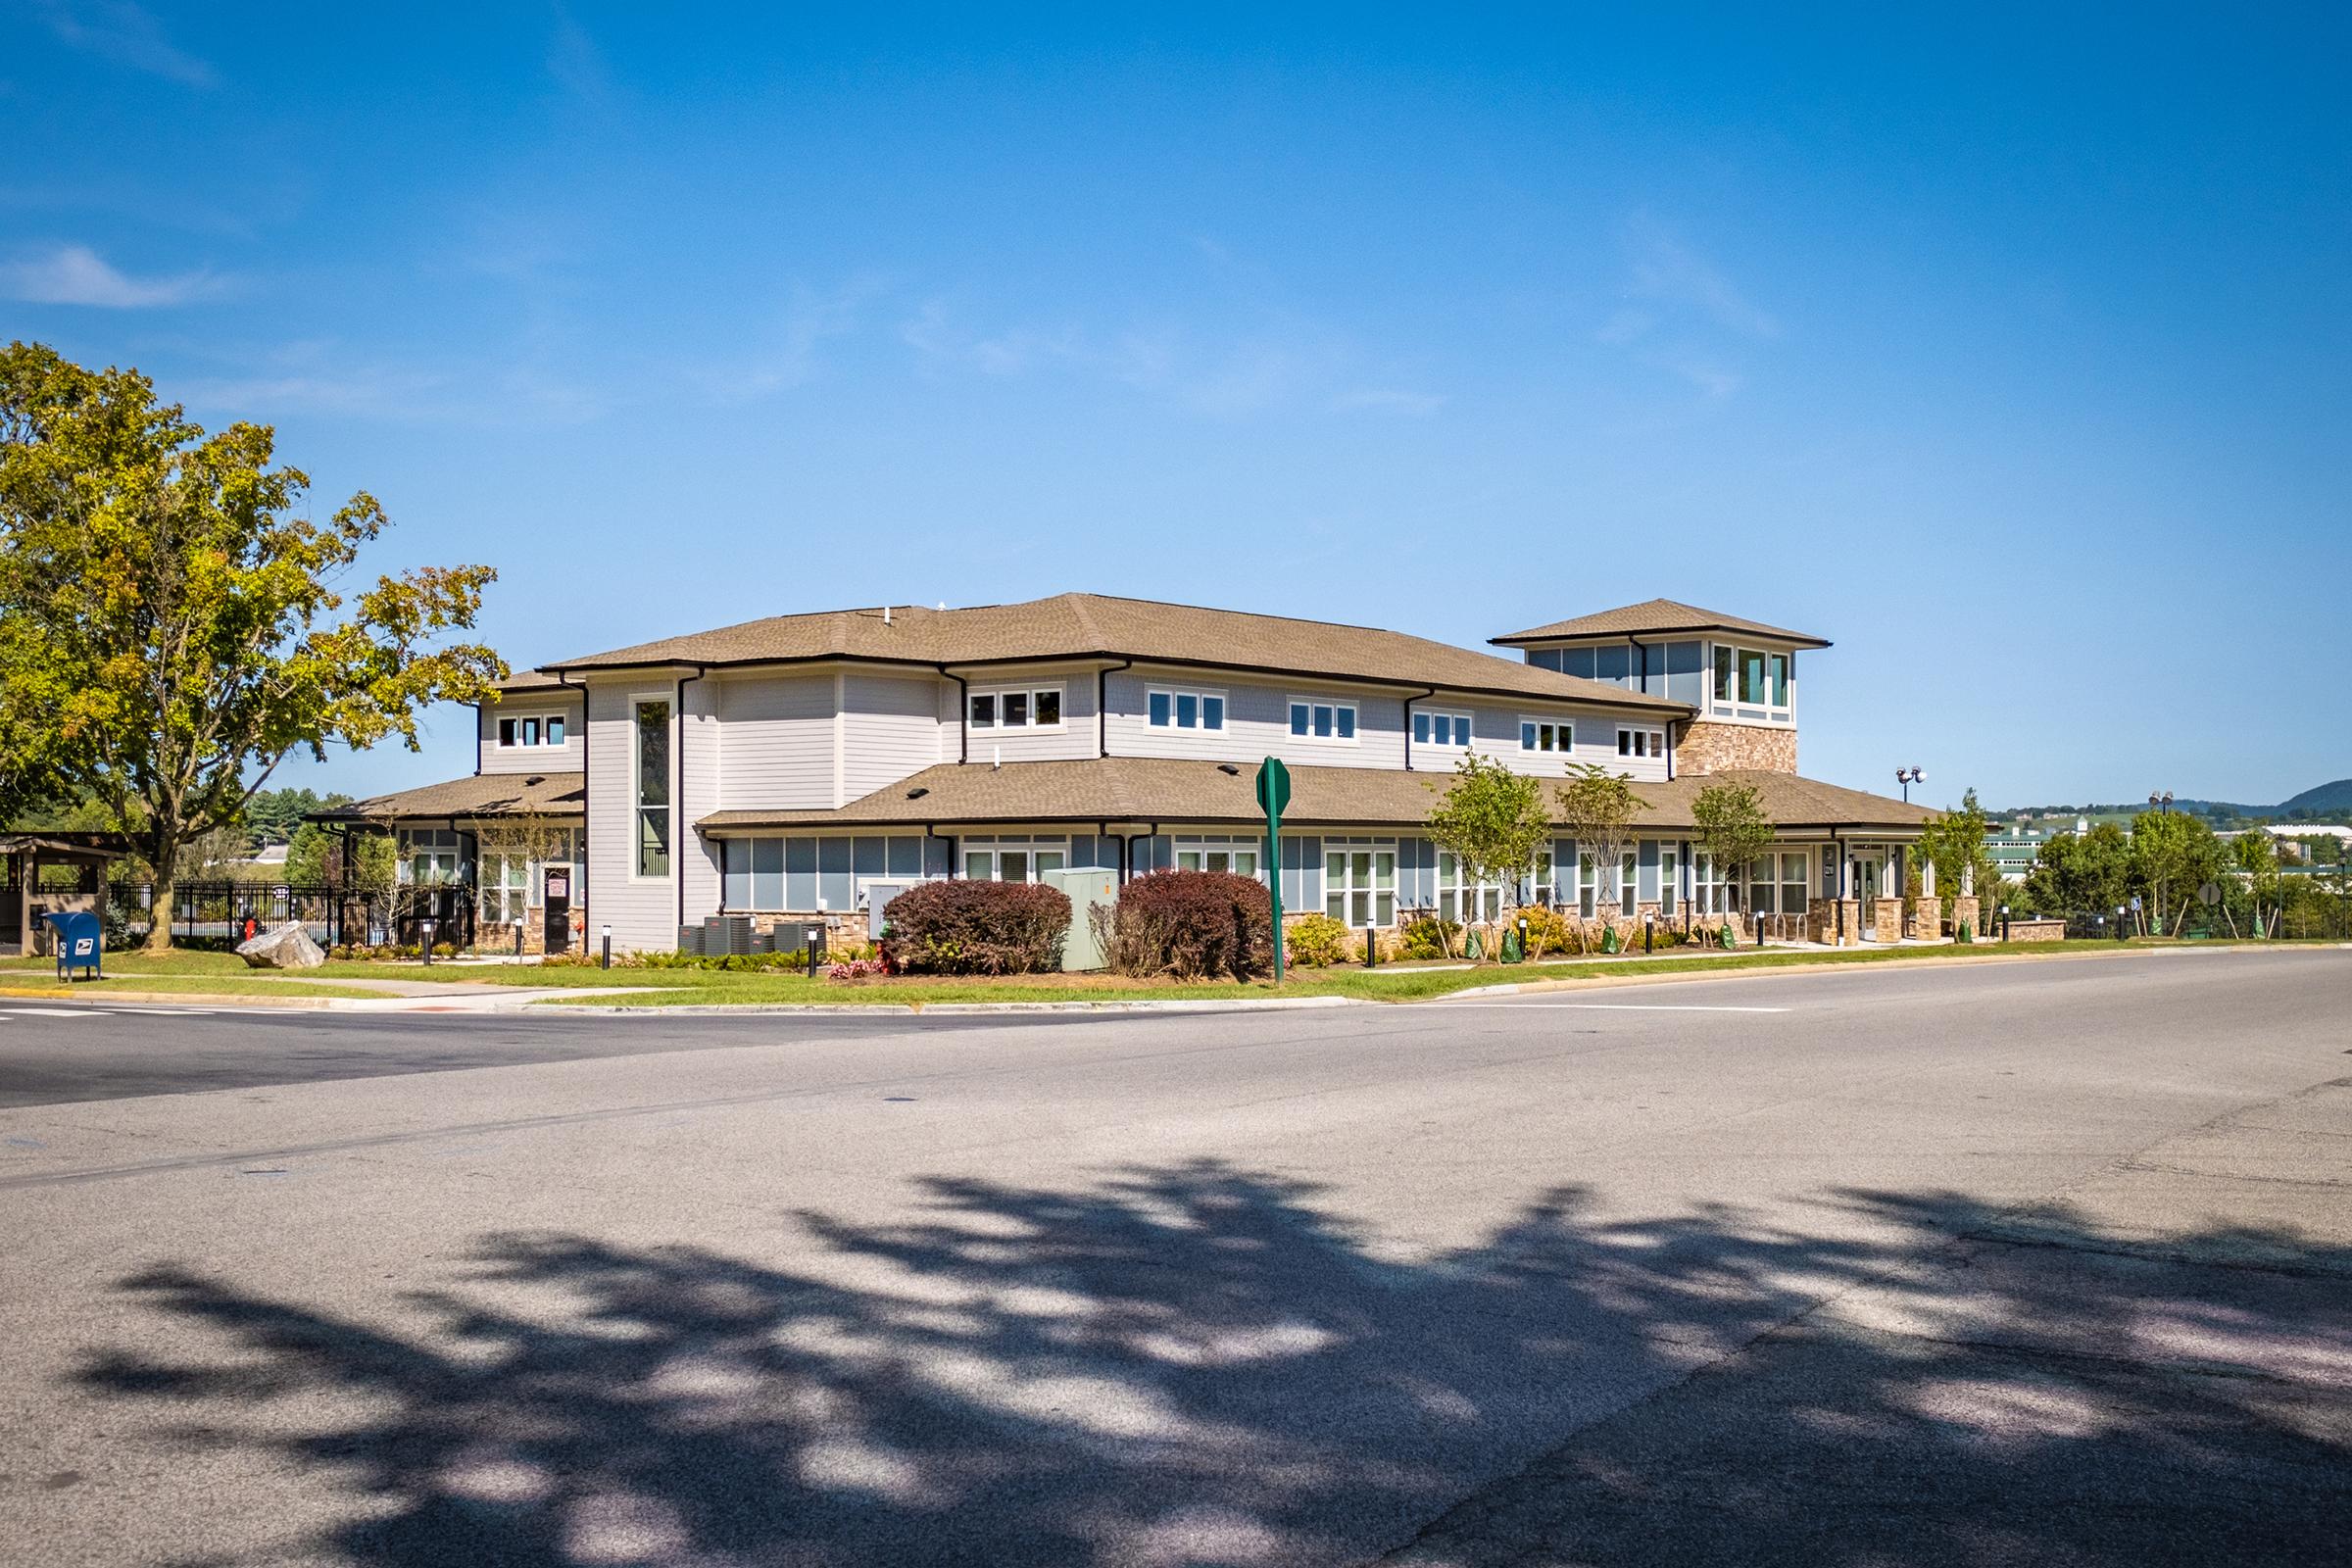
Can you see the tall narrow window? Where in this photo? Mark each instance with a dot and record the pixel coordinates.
(1723, 673)
(555, 730)
(1669, 870)
(1751, 675)
(652, 788)
(1780, 680)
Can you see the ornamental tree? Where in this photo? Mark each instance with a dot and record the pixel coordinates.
(1597, 808)
(171, 624)
(1492, 821)
(1730, 827)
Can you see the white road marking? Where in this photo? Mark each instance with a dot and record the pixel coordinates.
(56, 1012)
(1609, 1007)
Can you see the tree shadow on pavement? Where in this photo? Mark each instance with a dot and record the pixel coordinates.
(1194, 1366)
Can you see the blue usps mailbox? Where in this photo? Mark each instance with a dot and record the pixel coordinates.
(79, 943)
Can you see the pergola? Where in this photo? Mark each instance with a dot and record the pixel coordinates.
(23, 900)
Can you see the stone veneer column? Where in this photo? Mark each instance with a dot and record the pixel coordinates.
(1929, 913)
(1823, 925)
(1702, 746)
(1965, 912)
(1886, 920)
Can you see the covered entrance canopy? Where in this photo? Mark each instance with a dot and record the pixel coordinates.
(50, 874)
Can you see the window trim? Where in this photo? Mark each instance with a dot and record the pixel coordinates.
(1458, 719)
(1201, 697)
(1646, 742)
(1565, 729)
(669, 701)
(1338, 706)
(507, 736)
(1029, 689)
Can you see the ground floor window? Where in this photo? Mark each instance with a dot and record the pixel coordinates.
(808, 872)
(1668, 875)
(505, 889)
(1711, 891)
(1240, 856)
(1359, 881)
(1014, 859)
(430, 856)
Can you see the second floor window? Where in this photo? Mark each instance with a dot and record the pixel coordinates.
(1641, 742)
(1536, 735)
(1028, 708)
(1323, 721)
(547, 731)
(1440, 729)
(1167, 708)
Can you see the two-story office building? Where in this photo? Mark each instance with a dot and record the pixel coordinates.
(784, 768)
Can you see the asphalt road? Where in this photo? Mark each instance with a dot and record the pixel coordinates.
(2033, 1262)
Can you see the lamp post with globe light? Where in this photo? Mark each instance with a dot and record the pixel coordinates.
(1908, 776)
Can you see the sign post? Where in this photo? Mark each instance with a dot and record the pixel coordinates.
(1273, 795)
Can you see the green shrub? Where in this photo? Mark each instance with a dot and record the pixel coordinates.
(1548, 931)
(1190, 924)
(1430, 938)
(963, 928)
(1315, 941)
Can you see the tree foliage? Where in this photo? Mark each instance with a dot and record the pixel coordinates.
(171, 624)
(1728, 825)
(2173, 855)
(1954, 843)
(1597, 808)
(1492, 821)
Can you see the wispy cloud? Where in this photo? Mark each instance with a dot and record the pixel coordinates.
(323, 376)
(577, 64)
(789, 352)
(75, 274)
(1669, 274)
(126, 34)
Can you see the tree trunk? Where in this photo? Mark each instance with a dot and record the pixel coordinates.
(163, 855)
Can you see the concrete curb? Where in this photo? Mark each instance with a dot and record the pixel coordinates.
(963, 1008)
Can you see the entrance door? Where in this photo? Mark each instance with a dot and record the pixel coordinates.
(1870, 876)
(557, 933)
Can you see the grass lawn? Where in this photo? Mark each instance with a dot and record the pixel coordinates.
(224, 974)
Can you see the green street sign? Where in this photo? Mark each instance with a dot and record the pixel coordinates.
(1273, 795)
(1273, 787)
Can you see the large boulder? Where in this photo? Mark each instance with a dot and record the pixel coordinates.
(288, 947)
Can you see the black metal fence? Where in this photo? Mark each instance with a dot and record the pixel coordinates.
(227, 912)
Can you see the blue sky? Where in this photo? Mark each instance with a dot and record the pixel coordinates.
(2008, 351)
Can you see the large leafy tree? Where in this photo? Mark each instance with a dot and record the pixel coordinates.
(2081, 873)
(1492, 821)
(2173, 855)
(1954, 843)
(173, 624)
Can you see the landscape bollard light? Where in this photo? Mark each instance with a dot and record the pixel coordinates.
(1371, 945)
(425, 929)
(607, 933)
(1649, 933)
(2004, 922)
(519, 936)
(2122, 931)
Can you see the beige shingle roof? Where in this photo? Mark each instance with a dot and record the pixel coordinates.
(1099, 625)
(1151, 788)
(1655, 618)
(482, 795)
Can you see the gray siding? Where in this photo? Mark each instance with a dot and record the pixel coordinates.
(776, 742)
(490, 758)
(890, 728)
(699, 773)
(642, 915)
(1257, 723)
(1075, 737)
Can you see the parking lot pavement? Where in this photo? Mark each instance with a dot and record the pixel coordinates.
(2023, 1263)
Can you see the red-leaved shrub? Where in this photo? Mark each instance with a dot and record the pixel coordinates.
(977, 928)
(1192, 924)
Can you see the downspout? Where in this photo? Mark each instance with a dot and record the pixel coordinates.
(1103, 707)
(1408, 729)
(678, 826)
(582, 689)
(964, 714)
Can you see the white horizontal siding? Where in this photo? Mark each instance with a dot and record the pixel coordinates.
(491, 758)
(1257, 723)
(1495, 732)
(776, 742)
(890, 728)
(699, 774)
(1075, 737)
(642, 915)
